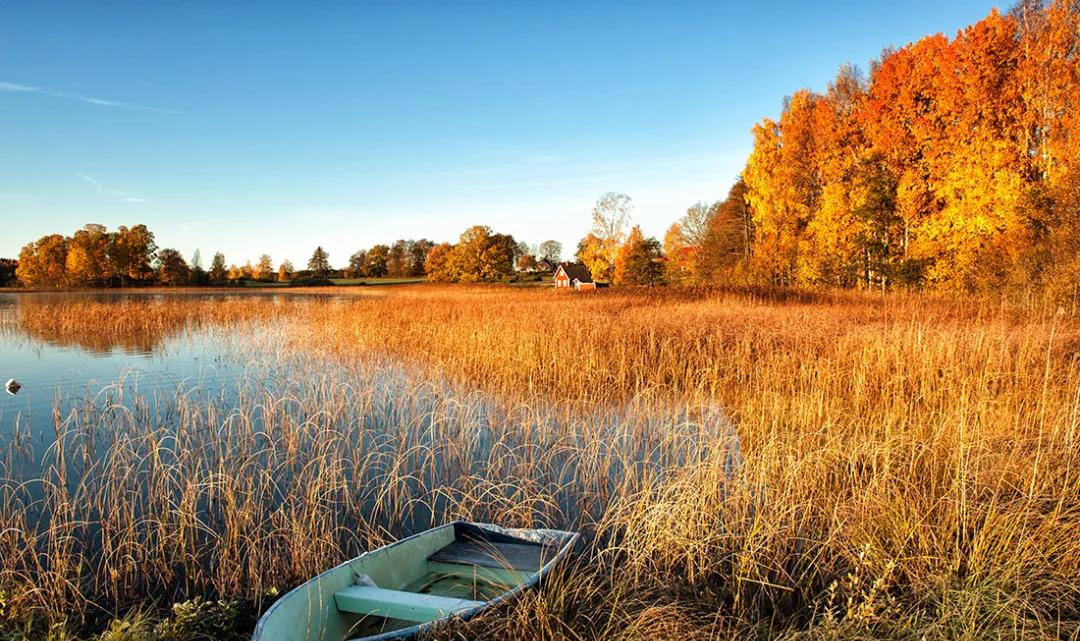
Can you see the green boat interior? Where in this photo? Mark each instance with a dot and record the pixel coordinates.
(460, 575)
(445, 571)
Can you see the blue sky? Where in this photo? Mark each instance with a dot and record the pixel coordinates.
(266, 127)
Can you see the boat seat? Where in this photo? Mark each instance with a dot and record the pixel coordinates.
(397, 604)
(517, 556)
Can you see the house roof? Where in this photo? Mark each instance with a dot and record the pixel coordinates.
(578, 272)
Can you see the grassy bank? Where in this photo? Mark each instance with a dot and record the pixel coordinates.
(906, 468)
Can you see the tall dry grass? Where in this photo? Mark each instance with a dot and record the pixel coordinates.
(908, 469)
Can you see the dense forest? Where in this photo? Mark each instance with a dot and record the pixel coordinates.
(955, 165)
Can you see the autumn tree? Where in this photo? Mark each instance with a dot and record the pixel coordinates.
(357, 261)
(172, 268)
(954, 157)
(397, 259)
(526, 262)
(728, 241)
(376, 263)
(784, 186)
(1049, 74)
(88, 256)
(683, 245)
(591, 253)
(481, 255)
(43, 263)
(497, 260)
(639, 260)
(678, 267)
(264, 269)
(437, 264)
(218, 272)
(285, 271)
(132, 252)
(979, 171)
(882, 261)
(319, 263)
(418, 252)
(830, 254)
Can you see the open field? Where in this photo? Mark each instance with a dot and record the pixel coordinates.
(745, 464)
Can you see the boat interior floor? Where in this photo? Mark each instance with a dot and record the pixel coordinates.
(511, 556)
(460, 576)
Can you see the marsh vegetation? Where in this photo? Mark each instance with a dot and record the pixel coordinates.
(744, 464)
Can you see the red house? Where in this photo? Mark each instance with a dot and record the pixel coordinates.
(573, 275)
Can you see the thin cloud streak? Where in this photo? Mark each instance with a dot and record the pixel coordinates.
(116, 193)
(195, 223)
(11, 86)
(15, 87)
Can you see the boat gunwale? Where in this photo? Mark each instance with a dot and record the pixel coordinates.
(570, 540)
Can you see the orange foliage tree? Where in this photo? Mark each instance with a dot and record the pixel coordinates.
(955, 166)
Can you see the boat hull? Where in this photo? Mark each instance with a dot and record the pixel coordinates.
(456, 570)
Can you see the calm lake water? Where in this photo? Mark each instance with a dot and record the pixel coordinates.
(101, 391)
(52, 367)
(61, 371)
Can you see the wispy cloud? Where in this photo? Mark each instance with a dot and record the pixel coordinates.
(11, 86)
(191, 224)
(115, 193)
(101, 102)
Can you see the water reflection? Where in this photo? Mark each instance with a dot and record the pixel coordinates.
(39, 321)
(134, 324)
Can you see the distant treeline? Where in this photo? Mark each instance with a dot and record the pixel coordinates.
(96, 257)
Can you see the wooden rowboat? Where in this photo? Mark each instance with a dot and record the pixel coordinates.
(395, 592)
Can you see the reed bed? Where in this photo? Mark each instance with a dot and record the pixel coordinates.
(135, 324)
(750, 464)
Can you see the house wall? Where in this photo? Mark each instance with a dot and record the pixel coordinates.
(561, 279)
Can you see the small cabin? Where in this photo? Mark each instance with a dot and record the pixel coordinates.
(573, 276)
